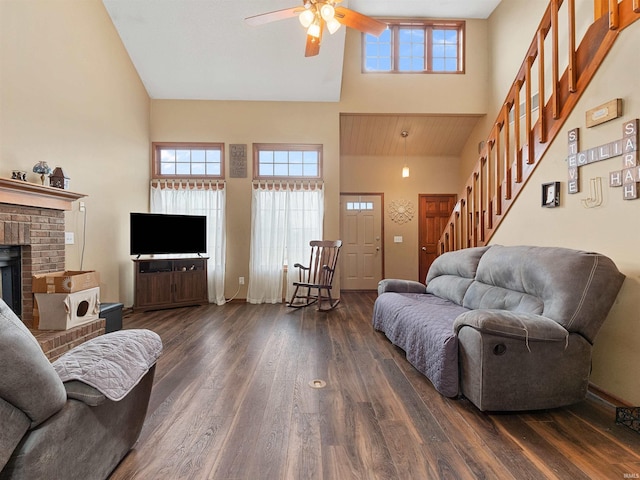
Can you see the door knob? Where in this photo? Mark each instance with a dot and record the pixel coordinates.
(424, 249)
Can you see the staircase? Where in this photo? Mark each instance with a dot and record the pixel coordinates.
(524, 130)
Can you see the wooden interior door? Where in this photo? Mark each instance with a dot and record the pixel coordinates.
(361, 256)
(433, 211)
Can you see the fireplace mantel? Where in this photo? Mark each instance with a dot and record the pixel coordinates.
(16, 192)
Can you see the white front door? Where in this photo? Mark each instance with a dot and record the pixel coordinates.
(361, 232)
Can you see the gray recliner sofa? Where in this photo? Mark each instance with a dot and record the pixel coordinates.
(75, 418)
(509, 327)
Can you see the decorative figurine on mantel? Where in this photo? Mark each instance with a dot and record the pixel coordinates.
(58, 179)
(42, 169)
(19, 175)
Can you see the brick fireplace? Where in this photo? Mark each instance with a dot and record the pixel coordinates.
(32, 217)
(40, 234)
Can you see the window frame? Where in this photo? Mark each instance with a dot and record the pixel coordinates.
(288, 147)
(395, 25)
(156, 147)
(361, 206)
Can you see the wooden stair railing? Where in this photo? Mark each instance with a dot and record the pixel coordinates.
(513, 150)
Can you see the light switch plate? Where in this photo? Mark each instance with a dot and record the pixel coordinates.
(397, 239)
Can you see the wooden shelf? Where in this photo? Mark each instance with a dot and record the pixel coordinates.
(16, 192)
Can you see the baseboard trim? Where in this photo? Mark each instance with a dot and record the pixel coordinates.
(606, 397)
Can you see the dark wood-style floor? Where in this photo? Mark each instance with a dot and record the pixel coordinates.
(232, 400)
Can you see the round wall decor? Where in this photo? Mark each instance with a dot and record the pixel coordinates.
(401, 211)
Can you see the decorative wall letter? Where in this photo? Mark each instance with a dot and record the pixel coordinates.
(628, 177)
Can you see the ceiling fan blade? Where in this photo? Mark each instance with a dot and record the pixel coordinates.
(269, 17)
(313, 46)
(353, 19)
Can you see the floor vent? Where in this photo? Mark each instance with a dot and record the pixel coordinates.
(629, 416)
(317, 383)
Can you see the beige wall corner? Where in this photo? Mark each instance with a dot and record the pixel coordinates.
(70, 96)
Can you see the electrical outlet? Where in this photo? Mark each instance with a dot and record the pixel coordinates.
(68, 238)
(82, 207)
(241, 280)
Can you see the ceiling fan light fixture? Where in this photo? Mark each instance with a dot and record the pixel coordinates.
(313, 15)
(306, 18)
(314, 30)
(327, 12)
(333, 25)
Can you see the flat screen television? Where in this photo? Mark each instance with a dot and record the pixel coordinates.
(157, 233)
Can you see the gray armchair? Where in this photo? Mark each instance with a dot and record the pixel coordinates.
(70, 429)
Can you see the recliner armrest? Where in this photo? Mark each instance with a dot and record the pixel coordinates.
(113, 363)
(527, 326)
(400, 286)
(87, 394)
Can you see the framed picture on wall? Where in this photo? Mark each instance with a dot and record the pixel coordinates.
(551, 194)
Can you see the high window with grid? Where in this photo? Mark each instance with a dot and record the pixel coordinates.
(415, 46)
(287, 161)
(185, 160)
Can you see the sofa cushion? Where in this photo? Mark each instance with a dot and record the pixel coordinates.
(14, 426)
(575, 288)
(481, 295)
(422, 325)
(452, 273)
(28, 381)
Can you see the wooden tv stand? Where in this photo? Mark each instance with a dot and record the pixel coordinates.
(170, 282)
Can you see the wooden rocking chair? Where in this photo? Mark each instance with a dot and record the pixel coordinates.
(318, 276)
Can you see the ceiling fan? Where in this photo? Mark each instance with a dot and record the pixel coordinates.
(314, 15)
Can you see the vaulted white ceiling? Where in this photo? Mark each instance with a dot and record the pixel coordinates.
(203, 49)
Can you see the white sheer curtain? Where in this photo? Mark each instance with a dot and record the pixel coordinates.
(198, 198)
(284, 219)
